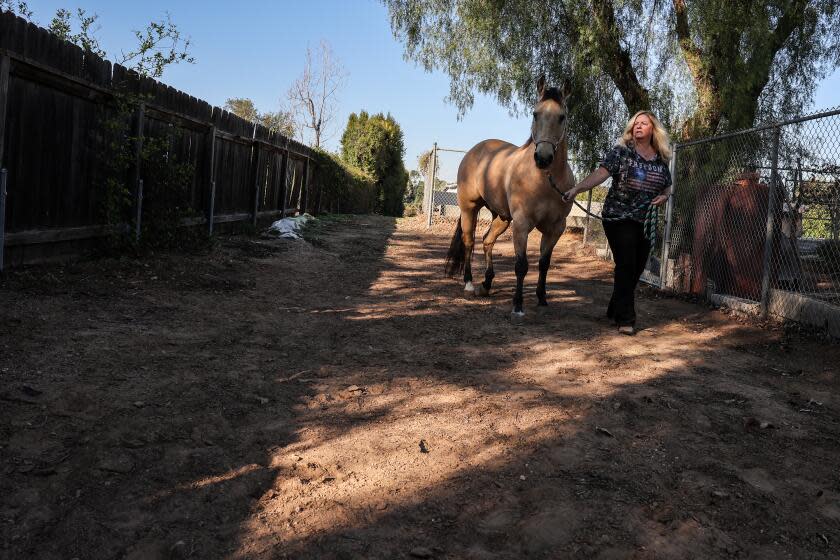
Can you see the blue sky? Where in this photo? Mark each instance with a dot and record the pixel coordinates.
(256, 49)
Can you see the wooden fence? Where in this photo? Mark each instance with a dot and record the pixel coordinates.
(56, 101)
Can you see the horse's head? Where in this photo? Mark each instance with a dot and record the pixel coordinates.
(548, 129)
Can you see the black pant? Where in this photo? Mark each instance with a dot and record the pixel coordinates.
(630, 251)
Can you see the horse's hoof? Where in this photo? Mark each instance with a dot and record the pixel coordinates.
(542, 310)
(469, 290)
(517, 317)
(482, 291)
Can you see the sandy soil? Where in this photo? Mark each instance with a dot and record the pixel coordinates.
(339, 398)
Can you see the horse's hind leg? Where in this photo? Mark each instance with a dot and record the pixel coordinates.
(468, 222)
(549, 240)
(497, 227)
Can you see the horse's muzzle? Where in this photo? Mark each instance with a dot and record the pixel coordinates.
(543, 160)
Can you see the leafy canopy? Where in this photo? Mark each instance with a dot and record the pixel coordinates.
(374, 143)
(702, 67)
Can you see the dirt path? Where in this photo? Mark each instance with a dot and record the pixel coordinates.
(268, 400)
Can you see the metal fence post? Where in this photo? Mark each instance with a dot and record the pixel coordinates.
(306, 187)
(669, 215)
(210, 213)
(212, 176)
(433, 175)
(137, 170)
(3, 175)
(771, 224)
(284, 183)
(427, 188)
(5, 77)
(254, 174)
(138, 204)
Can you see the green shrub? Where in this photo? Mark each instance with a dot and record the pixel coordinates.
(344, 188)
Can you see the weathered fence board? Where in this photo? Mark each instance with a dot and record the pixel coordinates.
(64, 119)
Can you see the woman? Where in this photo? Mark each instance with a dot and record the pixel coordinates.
(641, 179)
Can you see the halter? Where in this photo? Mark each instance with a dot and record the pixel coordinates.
(553, 145)
(551, 179)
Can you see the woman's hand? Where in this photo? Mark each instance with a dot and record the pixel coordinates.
(595, 178)
(661, 199)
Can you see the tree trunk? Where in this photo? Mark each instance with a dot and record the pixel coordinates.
(615, 59)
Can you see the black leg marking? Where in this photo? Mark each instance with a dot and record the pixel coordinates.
(488, 278)
(521, 268)
(544, 264)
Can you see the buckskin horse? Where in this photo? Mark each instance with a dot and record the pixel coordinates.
(522, 187)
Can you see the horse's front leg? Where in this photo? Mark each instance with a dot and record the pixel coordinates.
(520, 247)
(547, 244)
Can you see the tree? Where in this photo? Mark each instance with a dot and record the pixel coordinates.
(707, 67)
(18, 7)
(62, 25)
(313, 97)
(423, 161)
(242, 107)
(414, 188)
(280, 121)
(822, 196)
(374, 143)
(159, 45)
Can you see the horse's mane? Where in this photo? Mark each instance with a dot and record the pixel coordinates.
(554, 94)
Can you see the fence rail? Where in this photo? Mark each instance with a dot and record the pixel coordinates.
(57, 103)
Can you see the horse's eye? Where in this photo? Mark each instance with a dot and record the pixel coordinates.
(535, 115)
(561, 118)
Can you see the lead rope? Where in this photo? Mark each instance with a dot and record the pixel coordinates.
(651, 214)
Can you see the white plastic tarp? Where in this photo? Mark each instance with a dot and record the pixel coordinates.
(289, 227)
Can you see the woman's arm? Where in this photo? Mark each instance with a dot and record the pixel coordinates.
(595, 178)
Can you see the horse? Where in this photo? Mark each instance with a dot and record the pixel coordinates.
(522, 186)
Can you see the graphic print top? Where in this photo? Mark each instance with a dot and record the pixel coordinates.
(635, 183)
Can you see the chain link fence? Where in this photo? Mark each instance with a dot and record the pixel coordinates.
(754, 223)
(440, 198)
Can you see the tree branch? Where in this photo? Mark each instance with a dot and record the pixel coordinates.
(706, 118)
(615, 59)
(761, 60)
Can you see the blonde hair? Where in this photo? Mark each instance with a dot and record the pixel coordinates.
(660, 140)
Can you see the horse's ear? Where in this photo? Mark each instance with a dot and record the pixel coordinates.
(567, 90)
(541, 85)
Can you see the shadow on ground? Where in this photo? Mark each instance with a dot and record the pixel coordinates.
(270, 401)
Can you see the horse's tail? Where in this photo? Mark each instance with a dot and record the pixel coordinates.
(455, 256)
